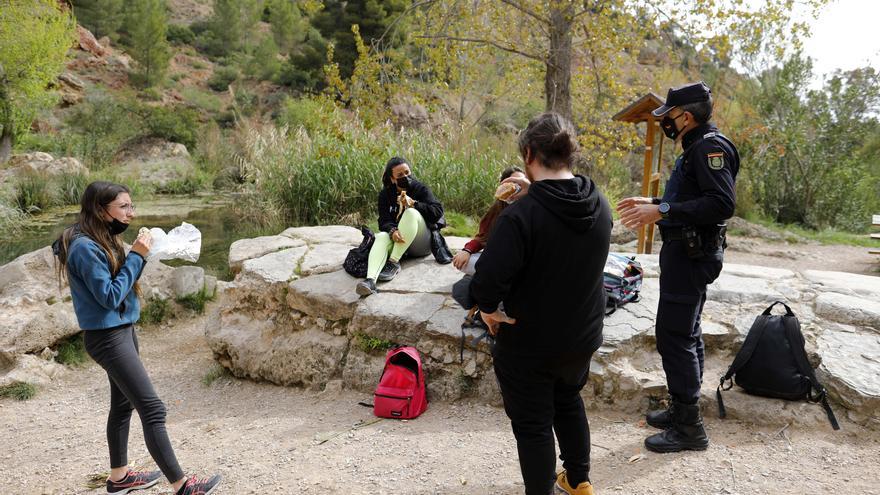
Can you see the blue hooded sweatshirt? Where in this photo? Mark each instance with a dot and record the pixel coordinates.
(100, 299)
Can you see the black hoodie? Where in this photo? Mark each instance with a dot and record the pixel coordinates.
(545, 260)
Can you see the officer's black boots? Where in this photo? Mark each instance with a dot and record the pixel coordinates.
(661, 419)
(685, 433)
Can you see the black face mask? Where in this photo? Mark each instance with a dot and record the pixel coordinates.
(404, 182)
(117, 227)
(668, 126)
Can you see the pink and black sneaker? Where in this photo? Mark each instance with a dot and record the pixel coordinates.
(134, 480)
(195, 486)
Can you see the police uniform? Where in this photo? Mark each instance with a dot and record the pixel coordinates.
(699, 197)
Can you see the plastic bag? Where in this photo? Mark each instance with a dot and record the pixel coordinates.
(183, 242)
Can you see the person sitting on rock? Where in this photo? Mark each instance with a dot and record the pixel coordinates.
(104, 289)
(465, 260)
(410, 219)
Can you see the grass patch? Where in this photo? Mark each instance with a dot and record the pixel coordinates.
(155, 311)
(33, 193)
(461, 225)
(370, 344)
(70, 186)
(72, 351)
(19, 391)
(215, 373)
(466, 384)
(794, 233)
(197, 301)
(202, 99)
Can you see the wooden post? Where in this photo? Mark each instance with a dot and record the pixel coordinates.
(654, 190)
(648, 172)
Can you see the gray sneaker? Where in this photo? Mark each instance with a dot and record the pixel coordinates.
(365, 287)
(390, 271)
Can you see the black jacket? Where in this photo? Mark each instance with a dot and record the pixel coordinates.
(545, 260)
(426, 204)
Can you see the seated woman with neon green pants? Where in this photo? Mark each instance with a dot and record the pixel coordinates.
(410, 219)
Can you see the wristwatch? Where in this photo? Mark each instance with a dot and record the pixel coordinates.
(664, 210)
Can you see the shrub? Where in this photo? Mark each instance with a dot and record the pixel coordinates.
(33, 193)
(155, 310)
(223, 76)
(72, 351)
(178, 34)
(18, 391)
(214, 373)
(197, 301)
(70, 186)
(202, 99)
(177, 124)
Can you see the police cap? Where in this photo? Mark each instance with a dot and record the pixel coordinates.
(682, 95)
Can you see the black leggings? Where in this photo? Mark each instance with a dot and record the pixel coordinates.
(542, 395)
(116, 350)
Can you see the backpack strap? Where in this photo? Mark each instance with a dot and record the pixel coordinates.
(796, 341)
(743, 356)
(476, 340)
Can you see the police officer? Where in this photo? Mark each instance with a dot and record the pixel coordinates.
(699, 197)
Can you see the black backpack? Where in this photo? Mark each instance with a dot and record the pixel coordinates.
(356, 261)
(772, 362)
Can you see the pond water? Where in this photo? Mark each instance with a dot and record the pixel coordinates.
(213, 216)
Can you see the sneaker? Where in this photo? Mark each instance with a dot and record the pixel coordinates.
(390, 271)
(195, 486)
(562, 486)
(365, 287)
(134, 480)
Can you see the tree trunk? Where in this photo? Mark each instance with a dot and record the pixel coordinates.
(5, 144)
(557, 80)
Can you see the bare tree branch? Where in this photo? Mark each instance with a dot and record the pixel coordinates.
(522, 8)
(497, 45)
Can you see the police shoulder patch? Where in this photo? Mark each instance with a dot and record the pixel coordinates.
(715, 160)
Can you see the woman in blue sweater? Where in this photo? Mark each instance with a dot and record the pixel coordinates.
(104, 288)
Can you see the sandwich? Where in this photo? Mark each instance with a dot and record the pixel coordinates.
(507, 190)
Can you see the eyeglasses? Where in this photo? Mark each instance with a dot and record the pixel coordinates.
(124, 207)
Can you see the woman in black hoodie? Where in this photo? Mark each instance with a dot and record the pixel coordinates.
(539, 286)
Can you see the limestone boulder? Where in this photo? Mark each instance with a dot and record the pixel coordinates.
(157, 280)
(849, 309)
(399, 318)
(278, 267)
(323, 258)
(734, 289)
(27, 368)
(43, 164)
(156, 162)
(865, 286)
(246, 249)
(333, 234)
(423, 275)
(188, 280)
(850, 369)
(330, 295)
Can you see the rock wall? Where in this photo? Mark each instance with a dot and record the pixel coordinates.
(292, 317)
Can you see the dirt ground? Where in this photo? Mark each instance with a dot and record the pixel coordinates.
(268, 439)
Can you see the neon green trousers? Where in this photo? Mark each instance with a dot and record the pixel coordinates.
(417, 242)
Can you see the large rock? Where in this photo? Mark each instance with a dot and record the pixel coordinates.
(423, 275)
(44, 164)
(280, 266)
(88, 43)
(155, 162)
(323, 258)
(27, 368)
(335, 234)
(866, 286)
(246, 249)
(399, 318)
(849, 309)
(850, 369)
(330, 296)
(741, 290)
(188, 280)
(156, 281)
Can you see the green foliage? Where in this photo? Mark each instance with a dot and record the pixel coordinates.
(69, 187)
(331, 174)
(177, 124)
(816, 167)
(72, 351)
(315, 115)
(98, 128)
(215, 373)
(231, 26)
(264, 63)
(461, 225)
(147, 27)
(197, 301)
(304, 69)
(178, 34)
(155, 311)
(367, 343)
(12, 220)
(202, 99)
(223, 76)
(101, 17)
(34, 38)
(19, 391)
(32, 193)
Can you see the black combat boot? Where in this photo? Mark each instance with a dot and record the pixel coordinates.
(686, 432)
(662, 418)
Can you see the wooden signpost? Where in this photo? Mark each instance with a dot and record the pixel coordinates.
(637, 112)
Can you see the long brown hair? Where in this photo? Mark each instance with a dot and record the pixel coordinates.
(496, 208)
(91, 223)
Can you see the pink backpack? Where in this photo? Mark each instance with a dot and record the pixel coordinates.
(401, 390)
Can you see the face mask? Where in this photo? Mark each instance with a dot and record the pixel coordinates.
(404, 182)
(669, 129)
(117, 227)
